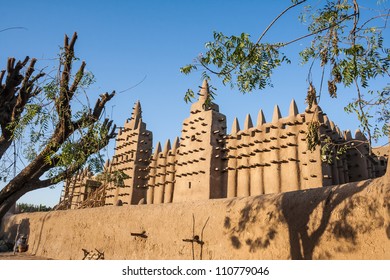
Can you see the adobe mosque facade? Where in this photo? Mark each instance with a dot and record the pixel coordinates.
(208, 163)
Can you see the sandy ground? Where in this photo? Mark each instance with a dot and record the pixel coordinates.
(20, 256)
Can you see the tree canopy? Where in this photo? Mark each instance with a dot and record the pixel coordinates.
(344, 45)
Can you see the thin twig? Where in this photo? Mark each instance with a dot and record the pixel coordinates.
(255, 45)
(316, 32)
(275, 19)
(10, 28)
(140, 82)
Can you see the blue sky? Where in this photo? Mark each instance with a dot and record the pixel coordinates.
(124, 41)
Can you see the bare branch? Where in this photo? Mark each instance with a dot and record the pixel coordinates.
(73, 41)
(15, 27)
(77, 79)
(275, 19)
(356, 18)
(100, 103)
(316, 32)
(1, 76)
(373, 18)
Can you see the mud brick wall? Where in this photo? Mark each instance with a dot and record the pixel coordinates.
(350, 221)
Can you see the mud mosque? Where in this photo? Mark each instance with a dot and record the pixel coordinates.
(208, 163)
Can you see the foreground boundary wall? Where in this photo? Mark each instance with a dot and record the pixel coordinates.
(350, 221)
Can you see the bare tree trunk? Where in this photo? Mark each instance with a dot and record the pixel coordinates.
(16, 93)
(9, 196)
(4, 145)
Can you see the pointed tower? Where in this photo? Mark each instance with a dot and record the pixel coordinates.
(231, 145)
(260, 118)
(248, 122)
(293, 111)
(276, 115)
(161, 172)
(152, 175)
(200, 163)
(235, 126)
(170, 172)
(132, 155)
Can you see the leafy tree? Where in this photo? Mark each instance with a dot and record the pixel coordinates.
(63, 135)
(27, 207)
(346, 43)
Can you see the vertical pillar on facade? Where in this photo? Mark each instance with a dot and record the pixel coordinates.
(232, 163)
(274, 179)
(159, 189)
(243, 175)
(170, 171)
(290, 169)
(363, 166)
(152, 175)
(314, 173)
(257, 172)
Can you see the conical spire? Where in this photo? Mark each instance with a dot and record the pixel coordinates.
(339, 131)
(136, 115)
(326, 121)
(248, 122)
(359, 135)
(167, 147)
(277, 115)
(204, 101)
(293, 111)
(260, 118)
(204, 92)
(137, 110)
(176, 144)
(332, 126)
(157, 150)
(347, 135)
(235, 126)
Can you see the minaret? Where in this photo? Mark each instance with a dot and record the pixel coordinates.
(132, 155)
(200, 167)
